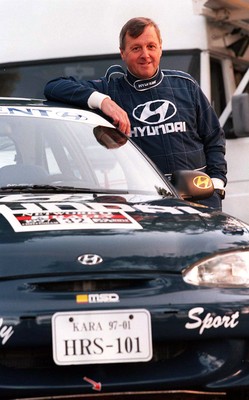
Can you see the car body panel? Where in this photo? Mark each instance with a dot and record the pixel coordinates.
(115, 250)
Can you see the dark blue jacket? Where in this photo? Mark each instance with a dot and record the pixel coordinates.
(172, 121)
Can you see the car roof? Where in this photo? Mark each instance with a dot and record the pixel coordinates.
(94, 117)
(24, 101)
(21, 101)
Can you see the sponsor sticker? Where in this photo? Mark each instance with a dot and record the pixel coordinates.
(55, 113)
(43, 213)
(62, 220)
(97, 298)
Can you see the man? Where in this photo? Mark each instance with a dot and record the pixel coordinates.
(164, 112)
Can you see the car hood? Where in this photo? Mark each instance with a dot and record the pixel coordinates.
(50, 235)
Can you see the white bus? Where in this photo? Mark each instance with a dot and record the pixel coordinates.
(44, 39)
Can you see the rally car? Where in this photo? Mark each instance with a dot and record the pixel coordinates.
(112, 280)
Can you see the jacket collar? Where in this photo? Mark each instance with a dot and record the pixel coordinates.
(144, 84)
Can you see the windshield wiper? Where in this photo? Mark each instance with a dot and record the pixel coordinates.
(55, 188)
(164, 193)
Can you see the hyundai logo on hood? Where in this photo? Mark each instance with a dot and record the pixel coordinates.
(90, 259)
(154, 112)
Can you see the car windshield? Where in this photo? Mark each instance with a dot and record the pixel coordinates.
(38, 152)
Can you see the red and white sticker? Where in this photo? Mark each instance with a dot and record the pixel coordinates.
(68, 220)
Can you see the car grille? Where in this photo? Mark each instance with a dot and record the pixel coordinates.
(94, 285)
(41, 358)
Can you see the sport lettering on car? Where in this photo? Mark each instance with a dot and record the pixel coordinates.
(209, 321)
(5, 331)
(42, 216)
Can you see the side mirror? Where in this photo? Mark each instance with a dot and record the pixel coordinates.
(192, 185)
(240, 114)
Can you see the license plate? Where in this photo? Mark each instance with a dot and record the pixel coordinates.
(95, 337)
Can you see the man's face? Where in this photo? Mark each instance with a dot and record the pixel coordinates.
(142, 54)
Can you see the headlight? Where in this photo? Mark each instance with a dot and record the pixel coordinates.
(223, 270)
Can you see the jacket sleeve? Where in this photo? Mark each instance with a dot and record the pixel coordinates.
(212, 136)
(73, 91)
